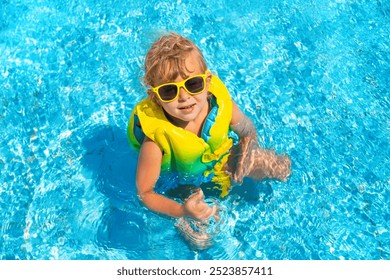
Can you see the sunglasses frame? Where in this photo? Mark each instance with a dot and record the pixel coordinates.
(179, 85)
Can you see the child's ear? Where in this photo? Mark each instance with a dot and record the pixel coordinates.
(209, 76)
(208, 79)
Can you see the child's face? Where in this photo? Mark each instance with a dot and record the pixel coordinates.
(188, 107)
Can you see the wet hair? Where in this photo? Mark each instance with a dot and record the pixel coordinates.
(165, 60)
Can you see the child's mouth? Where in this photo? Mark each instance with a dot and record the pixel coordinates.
(187, 108)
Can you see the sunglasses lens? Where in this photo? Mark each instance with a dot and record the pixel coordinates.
(195, 85)
(167, 92)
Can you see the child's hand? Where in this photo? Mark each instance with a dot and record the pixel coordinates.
(283, 167)
(199, 240)
(196, 208)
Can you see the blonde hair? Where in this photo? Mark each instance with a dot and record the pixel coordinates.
(165, 60)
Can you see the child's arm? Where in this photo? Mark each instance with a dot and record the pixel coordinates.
(248, 159)
(148, 172)
(241, 124)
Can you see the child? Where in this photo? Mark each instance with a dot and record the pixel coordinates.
(185, 126)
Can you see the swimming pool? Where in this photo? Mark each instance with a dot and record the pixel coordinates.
(313, 75)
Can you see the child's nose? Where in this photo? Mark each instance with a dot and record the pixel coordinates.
(183, 94)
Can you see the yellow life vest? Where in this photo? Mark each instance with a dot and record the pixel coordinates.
(183, 151)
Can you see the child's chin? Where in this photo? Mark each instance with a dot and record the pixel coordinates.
(187, 117)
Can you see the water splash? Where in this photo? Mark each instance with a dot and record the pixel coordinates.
(201, 234)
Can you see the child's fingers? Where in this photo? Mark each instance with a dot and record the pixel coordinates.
(210, 212)
(200, 194)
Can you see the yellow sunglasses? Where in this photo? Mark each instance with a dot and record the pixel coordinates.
(170, 91)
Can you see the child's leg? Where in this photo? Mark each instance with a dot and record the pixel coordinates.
(250, 160)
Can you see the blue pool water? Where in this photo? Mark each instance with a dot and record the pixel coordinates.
(313, 75)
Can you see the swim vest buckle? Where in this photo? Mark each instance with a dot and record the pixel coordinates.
(218, 153)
